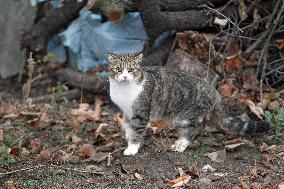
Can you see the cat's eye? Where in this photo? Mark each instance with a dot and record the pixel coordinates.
(116, 70)
(132, 70)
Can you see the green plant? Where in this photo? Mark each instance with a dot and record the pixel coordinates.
(275, 119)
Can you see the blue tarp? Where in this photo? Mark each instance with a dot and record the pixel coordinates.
(89, 41)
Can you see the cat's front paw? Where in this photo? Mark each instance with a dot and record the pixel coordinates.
(180, 145)
(131, 150)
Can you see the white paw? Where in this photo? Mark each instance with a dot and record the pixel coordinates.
(131, 150)
(180, 145)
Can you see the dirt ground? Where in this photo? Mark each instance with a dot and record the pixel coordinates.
(43, 155)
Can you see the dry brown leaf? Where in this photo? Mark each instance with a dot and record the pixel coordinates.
(249, 78)
(76, 123)
(233, 47)
(86, 150)
(233, 64)
(1, 136)
(279, 43)
(117, 121)
(196, 44)
(97, 157)
(34, 145)
(227, 89)
(232, 144)
(179, 181)
(85, 112)
(218, 156)
(255, 109)
(243, 185)
(158, 126)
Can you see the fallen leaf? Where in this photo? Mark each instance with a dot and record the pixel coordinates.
(232, 144)
(34, 145)
(194, 170)
(86, 150)
(233, 64)
(179, 181)
(85, 112)
(45, 154)
(75, 139)
(132, 168)
(227, 89)
(138, 176)
(158, 126)
(279, 43)
(15, 151)
(243, 185)
(249, 79)
(233, 47)
(221, 22)
(102, 127)
(117, 121)
(218, 156)
(255, 109)
(97, 157)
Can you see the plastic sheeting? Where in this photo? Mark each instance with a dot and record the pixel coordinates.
(89, 41)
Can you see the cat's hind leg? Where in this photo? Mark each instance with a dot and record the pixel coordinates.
(184, 128)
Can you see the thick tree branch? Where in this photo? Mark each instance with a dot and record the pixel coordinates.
(55, 20)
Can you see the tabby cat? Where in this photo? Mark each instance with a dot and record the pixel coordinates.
(153, 93)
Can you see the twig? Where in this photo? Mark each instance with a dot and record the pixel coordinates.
(20, 170)
(74, 93)
(216, 11)
(266, 46)
(267, 33)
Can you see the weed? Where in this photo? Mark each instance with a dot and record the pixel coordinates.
(275, 119)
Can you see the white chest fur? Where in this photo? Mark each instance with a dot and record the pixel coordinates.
(124, 94)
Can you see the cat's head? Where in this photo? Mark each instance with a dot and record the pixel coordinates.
(124, 67)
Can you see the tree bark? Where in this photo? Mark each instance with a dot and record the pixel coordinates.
(83, 81)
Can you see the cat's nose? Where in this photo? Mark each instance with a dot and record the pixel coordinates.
(125, 77)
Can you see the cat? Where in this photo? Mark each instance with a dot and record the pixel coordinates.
(152, 93)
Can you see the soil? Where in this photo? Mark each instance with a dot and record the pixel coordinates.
(152, 167)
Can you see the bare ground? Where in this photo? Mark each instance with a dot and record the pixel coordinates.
(152, 167)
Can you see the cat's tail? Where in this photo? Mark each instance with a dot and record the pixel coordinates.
(246, 127)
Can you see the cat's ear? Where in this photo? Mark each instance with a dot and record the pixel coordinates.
(139, 56)
(111, 57)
